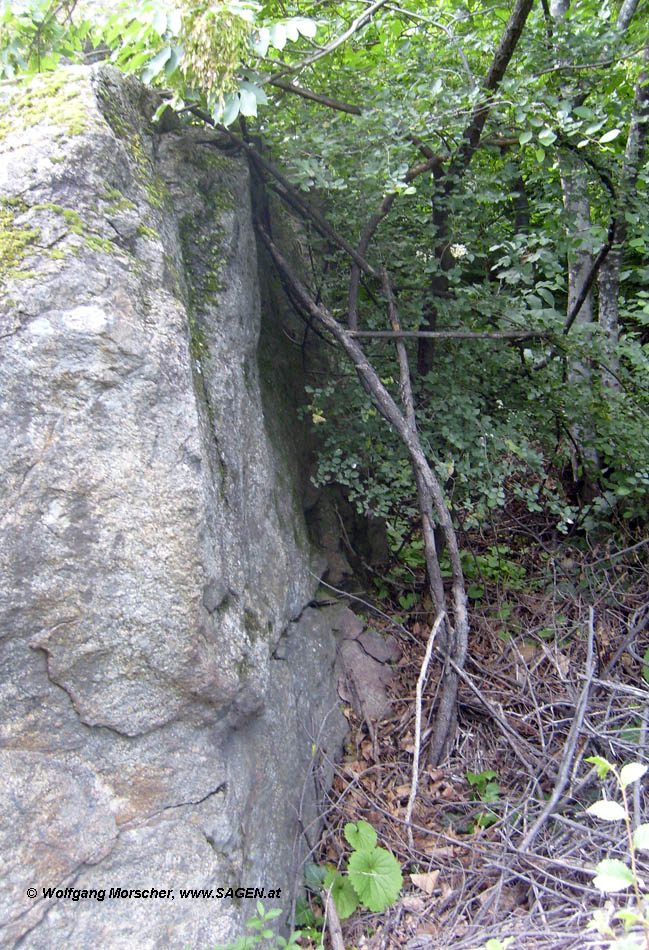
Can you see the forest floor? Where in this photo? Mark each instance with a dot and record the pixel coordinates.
(499, 850)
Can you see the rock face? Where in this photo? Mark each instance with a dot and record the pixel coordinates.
(162, 677)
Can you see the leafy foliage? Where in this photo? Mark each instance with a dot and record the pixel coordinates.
(263, 934)
(373, 877)
(478, 245)
(613, 875)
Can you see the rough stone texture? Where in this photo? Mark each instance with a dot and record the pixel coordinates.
(364, 666)
(161, 676)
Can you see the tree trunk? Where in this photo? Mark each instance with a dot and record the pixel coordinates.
(609, 275)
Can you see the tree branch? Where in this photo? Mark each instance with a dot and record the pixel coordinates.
(356, 25)
(453, 334)
(432, 161)
(316, 97)
(499, 65)
(296, 200)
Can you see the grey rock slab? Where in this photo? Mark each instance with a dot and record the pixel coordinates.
(164, 683)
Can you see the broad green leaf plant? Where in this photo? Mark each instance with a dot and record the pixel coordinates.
(373, 877)
(613, 875)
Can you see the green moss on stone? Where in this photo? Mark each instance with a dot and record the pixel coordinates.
(145, 232)
(75, 225)
(96, 243)
(116, 201)
(15, 242)
(49, 98)
(203, 261)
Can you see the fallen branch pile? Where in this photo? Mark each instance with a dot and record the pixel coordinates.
(514, 853)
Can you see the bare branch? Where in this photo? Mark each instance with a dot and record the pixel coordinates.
(316, 97)
(571, 742)
(453, 334)
(418, 694)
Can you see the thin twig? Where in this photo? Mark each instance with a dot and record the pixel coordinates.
(635, 630)
(571, 742)
(418, 694)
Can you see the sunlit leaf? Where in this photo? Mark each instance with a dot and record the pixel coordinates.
(306, 26)
(248, 102)
(609, 136)
(261, 41)
(278, 35)
(360, 835)
(156, 65)
(631, 773)
(230, 109)
(612, 875)
(607, 810)
(641, 837)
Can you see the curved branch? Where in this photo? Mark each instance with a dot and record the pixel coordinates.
(516, 335)
(356, 25)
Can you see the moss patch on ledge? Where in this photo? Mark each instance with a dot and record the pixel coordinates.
(127, 127)
(75, 225)
(49, 98)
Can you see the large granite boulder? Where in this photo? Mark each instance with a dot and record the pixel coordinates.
(164, 681)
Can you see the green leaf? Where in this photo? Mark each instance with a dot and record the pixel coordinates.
(174, 22)
(156, 65)
(344, 895)
(612, 875)
(641, 837)
(361, 836)
(256, 91)
(631, 773)
(177, 53)
(247, 103)
(525, 137)
(291, 31)
(628, 917)
(278, 35)
(306, 26)
(607, 810)
(314, 875)
(159, 22)
(540, 155)
(231, 109)
(609, 136)
(261, 41)
(376, 878)
(603, 765)
(547, 137)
